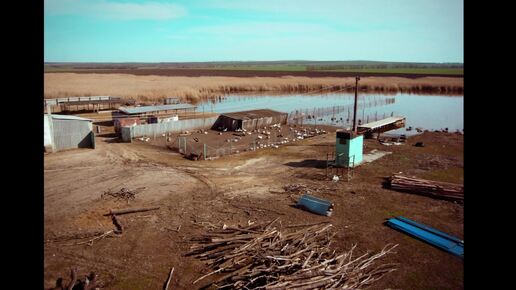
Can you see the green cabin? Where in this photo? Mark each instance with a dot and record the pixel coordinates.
(348, 149)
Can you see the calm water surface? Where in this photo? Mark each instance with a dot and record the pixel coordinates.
(432, 112)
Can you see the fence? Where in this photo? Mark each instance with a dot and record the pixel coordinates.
(199, 150)
(298, 116)
(153, 130)
(332, 168)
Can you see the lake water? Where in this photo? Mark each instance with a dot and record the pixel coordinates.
(431, 112)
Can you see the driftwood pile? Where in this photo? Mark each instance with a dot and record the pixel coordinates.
(296, 188)
(303, 188)
(262, 256)
(443, 190)
(90, 282)
(123, 194)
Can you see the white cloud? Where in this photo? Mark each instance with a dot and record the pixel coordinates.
(262, 28)
(115, 10)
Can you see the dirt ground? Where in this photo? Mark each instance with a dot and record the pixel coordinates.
(233, 190)
(224, 143)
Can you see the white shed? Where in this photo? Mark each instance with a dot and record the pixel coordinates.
(66, 132)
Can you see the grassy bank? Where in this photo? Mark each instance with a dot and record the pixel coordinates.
(371, 67)
(424, 71)
(196, 88)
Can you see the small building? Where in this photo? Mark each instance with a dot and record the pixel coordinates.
(348, 149)
(121, 122)
(172, 100)
(67, 132)
(249, 120)
(93, 103)
(145, 111)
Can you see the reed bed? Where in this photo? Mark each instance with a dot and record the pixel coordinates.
(195, 89)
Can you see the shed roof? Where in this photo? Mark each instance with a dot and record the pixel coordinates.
(147, 109)
(253, 114)
(68, 117)
(55, 101)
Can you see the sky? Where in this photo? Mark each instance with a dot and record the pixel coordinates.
(260, 30)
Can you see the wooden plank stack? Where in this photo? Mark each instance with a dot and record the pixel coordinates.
(263, 256)
(443, 190)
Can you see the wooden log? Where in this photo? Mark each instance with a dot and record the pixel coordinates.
(118, 225)
(130, 210)
(75, 236)
(438, 189)
(169, 278)
(73, 278)
(240, 237)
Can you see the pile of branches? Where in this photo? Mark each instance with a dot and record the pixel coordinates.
(123, 194)
(296, 188)
(302, 188)
(442, 190)
(90, 282)
(262, 255)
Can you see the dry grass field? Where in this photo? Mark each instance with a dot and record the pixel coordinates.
(149, 87)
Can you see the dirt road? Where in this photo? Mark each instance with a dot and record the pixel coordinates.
(234, 190)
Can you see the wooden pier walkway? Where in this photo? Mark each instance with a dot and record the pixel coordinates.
(380, 126)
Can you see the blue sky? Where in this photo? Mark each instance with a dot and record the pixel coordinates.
(240, 30)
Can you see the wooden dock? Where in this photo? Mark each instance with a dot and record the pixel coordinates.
(380, 126)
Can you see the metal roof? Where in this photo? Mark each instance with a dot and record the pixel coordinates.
(78, 99)
(253, 114)
(147, 109)
(68, 117)
(380, 123)
(430, 235)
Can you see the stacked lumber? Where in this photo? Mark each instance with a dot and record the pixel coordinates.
(444, 190)
(263, 256)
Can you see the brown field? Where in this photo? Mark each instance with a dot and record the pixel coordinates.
(153, 87)
(234, 190)
(246, 73)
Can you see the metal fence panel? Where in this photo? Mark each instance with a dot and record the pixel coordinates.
(154, 130)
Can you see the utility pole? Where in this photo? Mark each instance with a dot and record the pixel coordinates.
(355, 105)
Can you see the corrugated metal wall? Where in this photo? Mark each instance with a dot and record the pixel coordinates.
(154, 130)
(47, 138)
(252, 124)
(263, 122)
(72, 134)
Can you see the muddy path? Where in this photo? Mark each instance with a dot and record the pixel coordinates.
(234, 190)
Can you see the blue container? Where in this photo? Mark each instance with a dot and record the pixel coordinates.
(315, 205)
(349, 149)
